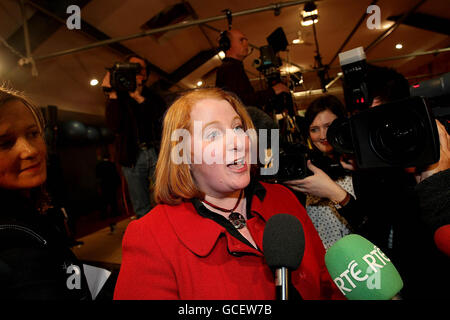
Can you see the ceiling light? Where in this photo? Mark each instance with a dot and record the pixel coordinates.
(199, 83)
(310, 14)
(387, 25)
(290, 69)
(94, 82)
(221, 54)
(398, 46)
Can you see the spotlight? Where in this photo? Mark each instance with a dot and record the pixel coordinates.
(398, 46)
(199, 83)
(310, 14)
(221, 54)
(94, 82)
(388, 24)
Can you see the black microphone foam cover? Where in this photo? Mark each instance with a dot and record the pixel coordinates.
(283, 241)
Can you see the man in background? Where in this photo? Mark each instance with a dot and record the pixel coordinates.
(136, 120)
(231, 75)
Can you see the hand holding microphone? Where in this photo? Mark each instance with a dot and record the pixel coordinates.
(283, 245)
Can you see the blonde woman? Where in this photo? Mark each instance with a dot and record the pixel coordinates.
(34, 258)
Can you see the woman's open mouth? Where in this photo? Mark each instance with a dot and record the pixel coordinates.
(238, 165)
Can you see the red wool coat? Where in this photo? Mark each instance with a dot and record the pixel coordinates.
(175, 253)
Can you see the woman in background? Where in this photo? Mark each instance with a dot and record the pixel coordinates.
(330, 193)
(35, 258)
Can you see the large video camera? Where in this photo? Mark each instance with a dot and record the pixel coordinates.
(123, 76)
(269, 64)
(401, 133)
(398, 134)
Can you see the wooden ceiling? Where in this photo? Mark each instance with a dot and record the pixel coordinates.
(183, 56)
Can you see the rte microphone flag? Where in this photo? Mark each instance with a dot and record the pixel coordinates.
(361, 270)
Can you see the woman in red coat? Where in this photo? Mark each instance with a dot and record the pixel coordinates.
(190, 246)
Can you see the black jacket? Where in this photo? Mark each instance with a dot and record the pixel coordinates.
(395, 215)
(124, 116)
(35, 257)
(231, 77)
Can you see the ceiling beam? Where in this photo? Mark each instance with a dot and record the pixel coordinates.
(57, 11)
(182, 25)
(388, 32)
(186, 68)
(425, 22)
(355, 28)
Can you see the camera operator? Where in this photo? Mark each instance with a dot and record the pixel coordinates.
(389, 184)
(395, 207)
(231, 75)
(136, 120)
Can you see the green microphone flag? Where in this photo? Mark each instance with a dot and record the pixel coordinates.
(361, 270)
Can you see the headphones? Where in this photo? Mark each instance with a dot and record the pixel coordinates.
(224, 41)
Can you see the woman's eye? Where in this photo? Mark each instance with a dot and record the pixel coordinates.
(238, 129)
(212, 135)
(7, 144)
(34, 134)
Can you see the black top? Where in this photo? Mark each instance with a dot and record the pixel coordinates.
(391, 216)
(35, 257)
(135, 123)
(231, 77)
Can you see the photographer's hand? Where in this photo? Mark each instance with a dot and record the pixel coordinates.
(444, 159)
(106, 83)
(319, 185)
(137, 94)
(348, 163)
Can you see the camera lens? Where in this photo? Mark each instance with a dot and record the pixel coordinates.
(340, 137)
(398, 138)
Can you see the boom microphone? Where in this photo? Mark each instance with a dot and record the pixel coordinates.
(442, 239)
(283, 245)
(361, 270)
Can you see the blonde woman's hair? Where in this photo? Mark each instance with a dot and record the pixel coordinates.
(38, 195)
(8, 94)
(174, 182)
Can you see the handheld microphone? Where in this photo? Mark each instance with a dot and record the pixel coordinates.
(442, 239)
(361, 270)
(283, 245)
